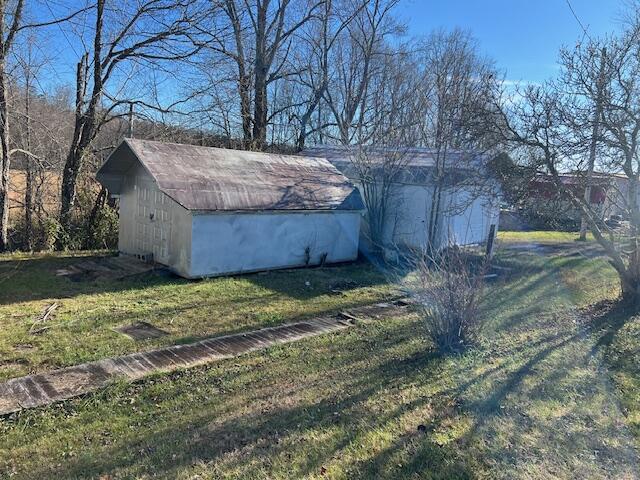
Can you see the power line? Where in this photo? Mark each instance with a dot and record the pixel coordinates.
(64, 34)
(575, 15)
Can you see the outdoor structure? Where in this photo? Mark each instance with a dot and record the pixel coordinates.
(545, 205)
(466, 195)
(209, 211)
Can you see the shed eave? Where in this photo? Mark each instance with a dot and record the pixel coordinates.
(274, 211)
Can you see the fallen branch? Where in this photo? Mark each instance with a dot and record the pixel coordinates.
(43, 318)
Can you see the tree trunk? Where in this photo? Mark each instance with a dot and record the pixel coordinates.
(4, 161)
(28, 205)
(99, 204)
(630, 283)
(260, 80)
(436, 201)
(29, 169)
(83, 131)
(70, 176)
(594, 141)
(244, 78)
(245, 106)
(74, 159)
(260, 110)
(306, 117)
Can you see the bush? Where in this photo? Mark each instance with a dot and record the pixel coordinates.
(94, 222)
(94, 225)
(43, 234)
(448, 290)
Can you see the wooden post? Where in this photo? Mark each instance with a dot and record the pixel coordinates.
(491, 240)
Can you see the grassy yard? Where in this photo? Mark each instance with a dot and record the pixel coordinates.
(82, 328)
(540, 236)
(535, 400)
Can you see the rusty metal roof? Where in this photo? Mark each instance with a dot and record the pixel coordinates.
(414, 165)
(206, 178)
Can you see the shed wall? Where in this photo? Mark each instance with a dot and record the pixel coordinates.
(409, 215)
(151, 222)
(231, 242)
(466, 217)
(471, 221)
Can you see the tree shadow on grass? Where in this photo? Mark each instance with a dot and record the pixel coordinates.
(317, 430)
(35, 278)
(607, 318)
(544, 373)
(529, 287)
(501, 401)
(549, 407)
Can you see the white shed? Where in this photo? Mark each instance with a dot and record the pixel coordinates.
(208, 211)
(469, 202)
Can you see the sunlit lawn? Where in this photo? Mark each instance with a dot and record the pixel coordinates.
(540, 236)
(534, 400)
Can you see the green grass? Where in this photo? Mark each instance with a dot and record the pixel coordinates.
(532, 401)
(540, 236)
(82, 328)
(624, 362)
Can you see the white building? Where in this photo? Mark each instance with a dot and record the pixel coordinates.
(468, 200)
(209, 211)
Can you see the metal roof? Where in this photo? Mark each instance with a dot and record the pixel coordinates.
(409, 156)
(412, 165)
(207, 178)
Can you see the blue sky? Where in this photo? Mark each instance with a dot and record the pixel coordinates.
(522, 36)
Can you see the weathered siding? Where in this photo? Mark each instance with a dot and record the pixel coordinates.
(465, 217)
(408, 220)
(224, 243)
(470, 222)
(150, 222)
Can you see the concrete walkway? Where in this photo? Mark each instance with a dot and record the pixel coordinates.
(57, 385)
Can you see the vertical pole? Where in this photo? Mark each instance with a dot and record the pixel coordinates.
(491, 240)
(130, 129)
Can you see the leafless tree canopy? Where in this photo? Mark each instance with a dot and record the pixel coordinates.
(75, 77)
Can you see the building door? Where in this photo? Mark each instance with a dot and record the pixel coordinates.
(162, 228)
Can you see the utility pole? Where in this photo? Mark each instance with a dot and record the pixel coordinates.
(594, 140)
(130, 129)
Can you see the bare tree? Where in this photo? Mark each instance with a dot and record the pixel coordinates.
(434, 95)
(123, 37)
(354, 61)
(459, 85)
(29, 64)
(578, 57)
(320, 41)
(553, 127)
(12, 22)
(376, 170)
(389, 128)
(260, 38)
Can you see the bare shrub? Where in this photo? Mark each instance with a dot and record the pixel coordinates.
(448, 289)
